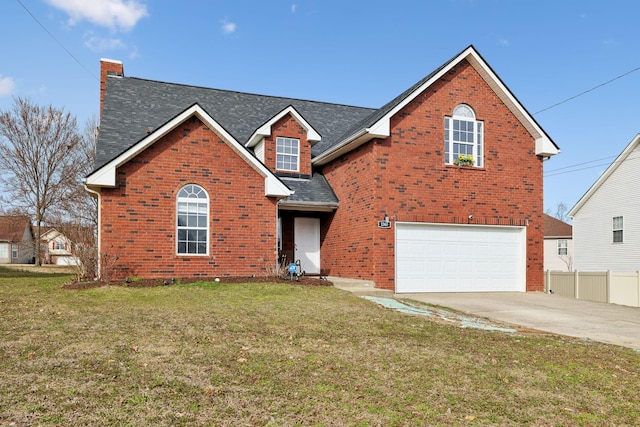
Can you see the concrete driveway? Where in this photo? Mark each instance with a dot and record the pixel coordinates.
(607, 323)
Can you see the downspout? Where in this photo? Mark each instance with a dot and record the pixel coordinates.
(96, 194)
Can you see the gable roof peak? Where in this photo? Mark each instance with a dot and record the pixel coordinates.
(635, 142)
(377, 124)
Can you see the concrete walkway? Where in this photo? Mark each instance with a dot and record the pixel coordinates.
(607, 323)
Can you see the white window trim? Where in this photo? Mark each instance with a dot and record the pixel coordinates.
(563, 244)
(177, 227)
(616, 228)
(297, 169)
(478, 133)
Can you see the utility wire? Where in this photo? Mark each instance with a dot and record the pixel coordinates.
(563, 171)
(588, 90)
(580, 164)
(57, 41)
(572, 167)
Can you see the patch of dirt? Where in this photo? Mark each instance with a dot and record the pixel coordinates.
(150, 283)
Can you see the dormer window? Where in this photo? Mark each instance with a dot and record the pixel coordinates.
(288, 154)
(463, 136)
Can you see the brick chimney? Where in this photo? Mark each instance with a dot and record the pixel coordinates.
(108, 67)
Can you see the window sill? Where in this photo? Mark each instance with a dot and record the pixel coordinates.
(452, 166)
(191, 255)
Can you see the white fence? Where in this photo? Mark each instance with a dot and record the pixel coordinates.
(607, 286)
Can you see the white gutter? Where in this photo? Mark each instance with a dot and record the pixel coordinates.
(327, 154)
(96, 194)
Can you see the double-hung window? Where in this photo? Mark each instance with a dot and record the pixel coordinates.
(288, 154)
(617, 229)
(563, 248)
(193, 221)
(463, 138)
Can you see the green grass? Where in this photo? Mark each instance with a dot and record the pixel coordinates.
(284, 355)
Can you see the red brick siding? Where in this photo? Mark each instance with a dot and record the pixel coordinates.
(288, 127)
(349, 244)
(107, 67)
(405, 177)
(138, 218)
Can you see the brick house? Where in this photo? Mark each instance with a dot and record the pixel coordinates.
(438, 190)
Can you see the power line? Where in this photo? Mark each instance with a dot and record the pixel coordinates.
(588, 90)
(563, 171)
(580, 164)
(57, 41)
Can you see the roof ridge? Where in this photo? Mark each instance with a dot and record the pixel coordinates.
(249, 93)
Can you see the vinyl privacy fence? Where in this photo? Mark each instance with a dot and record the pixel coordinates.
(613, 287)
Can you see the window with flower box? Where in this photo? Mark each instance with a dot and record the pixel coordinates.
(464, 138)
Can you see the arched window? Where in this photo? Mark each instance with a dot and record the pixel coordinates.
(192, 221)
(463, 140)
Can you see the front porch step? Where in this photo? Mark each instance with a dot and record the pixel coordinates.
(359, 287)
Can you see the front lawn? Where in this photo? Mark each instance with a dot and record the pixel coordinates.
(277, 354)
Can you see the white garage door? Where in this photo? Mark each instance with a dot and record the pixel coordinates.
(459, 258)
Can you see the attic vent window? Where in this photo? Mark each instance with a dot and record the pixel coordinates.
(114, 74)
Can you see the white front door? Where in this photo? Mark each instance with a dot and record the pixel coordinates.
(307, 244)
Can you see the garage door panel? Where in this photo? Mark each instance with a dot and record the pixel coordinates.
(455, 258)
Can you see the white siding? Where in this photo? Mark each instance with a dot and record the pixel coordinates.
(594, 249)
(553, 261)
(259, 150)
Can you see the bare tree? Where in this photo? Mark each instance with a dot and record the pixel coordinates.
(568, 260)
(77, 215)
(561, 212)
(40, 157)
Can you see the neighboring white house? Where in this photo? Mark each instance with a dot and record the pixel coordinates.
(57, 248)
(16, 240)
(558, 245)
(606, 220)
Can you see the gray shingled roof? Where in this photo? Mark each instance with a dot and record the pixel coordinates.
(378, 114)
(132, 105)
(310, 191)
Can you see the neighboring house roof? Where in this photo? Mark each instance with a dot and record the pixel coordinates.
(556, 229)
(70, 232)
(12, 228)
(606, 174)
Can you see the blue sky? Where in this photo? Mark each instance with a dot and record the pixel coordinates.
(349, 52)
